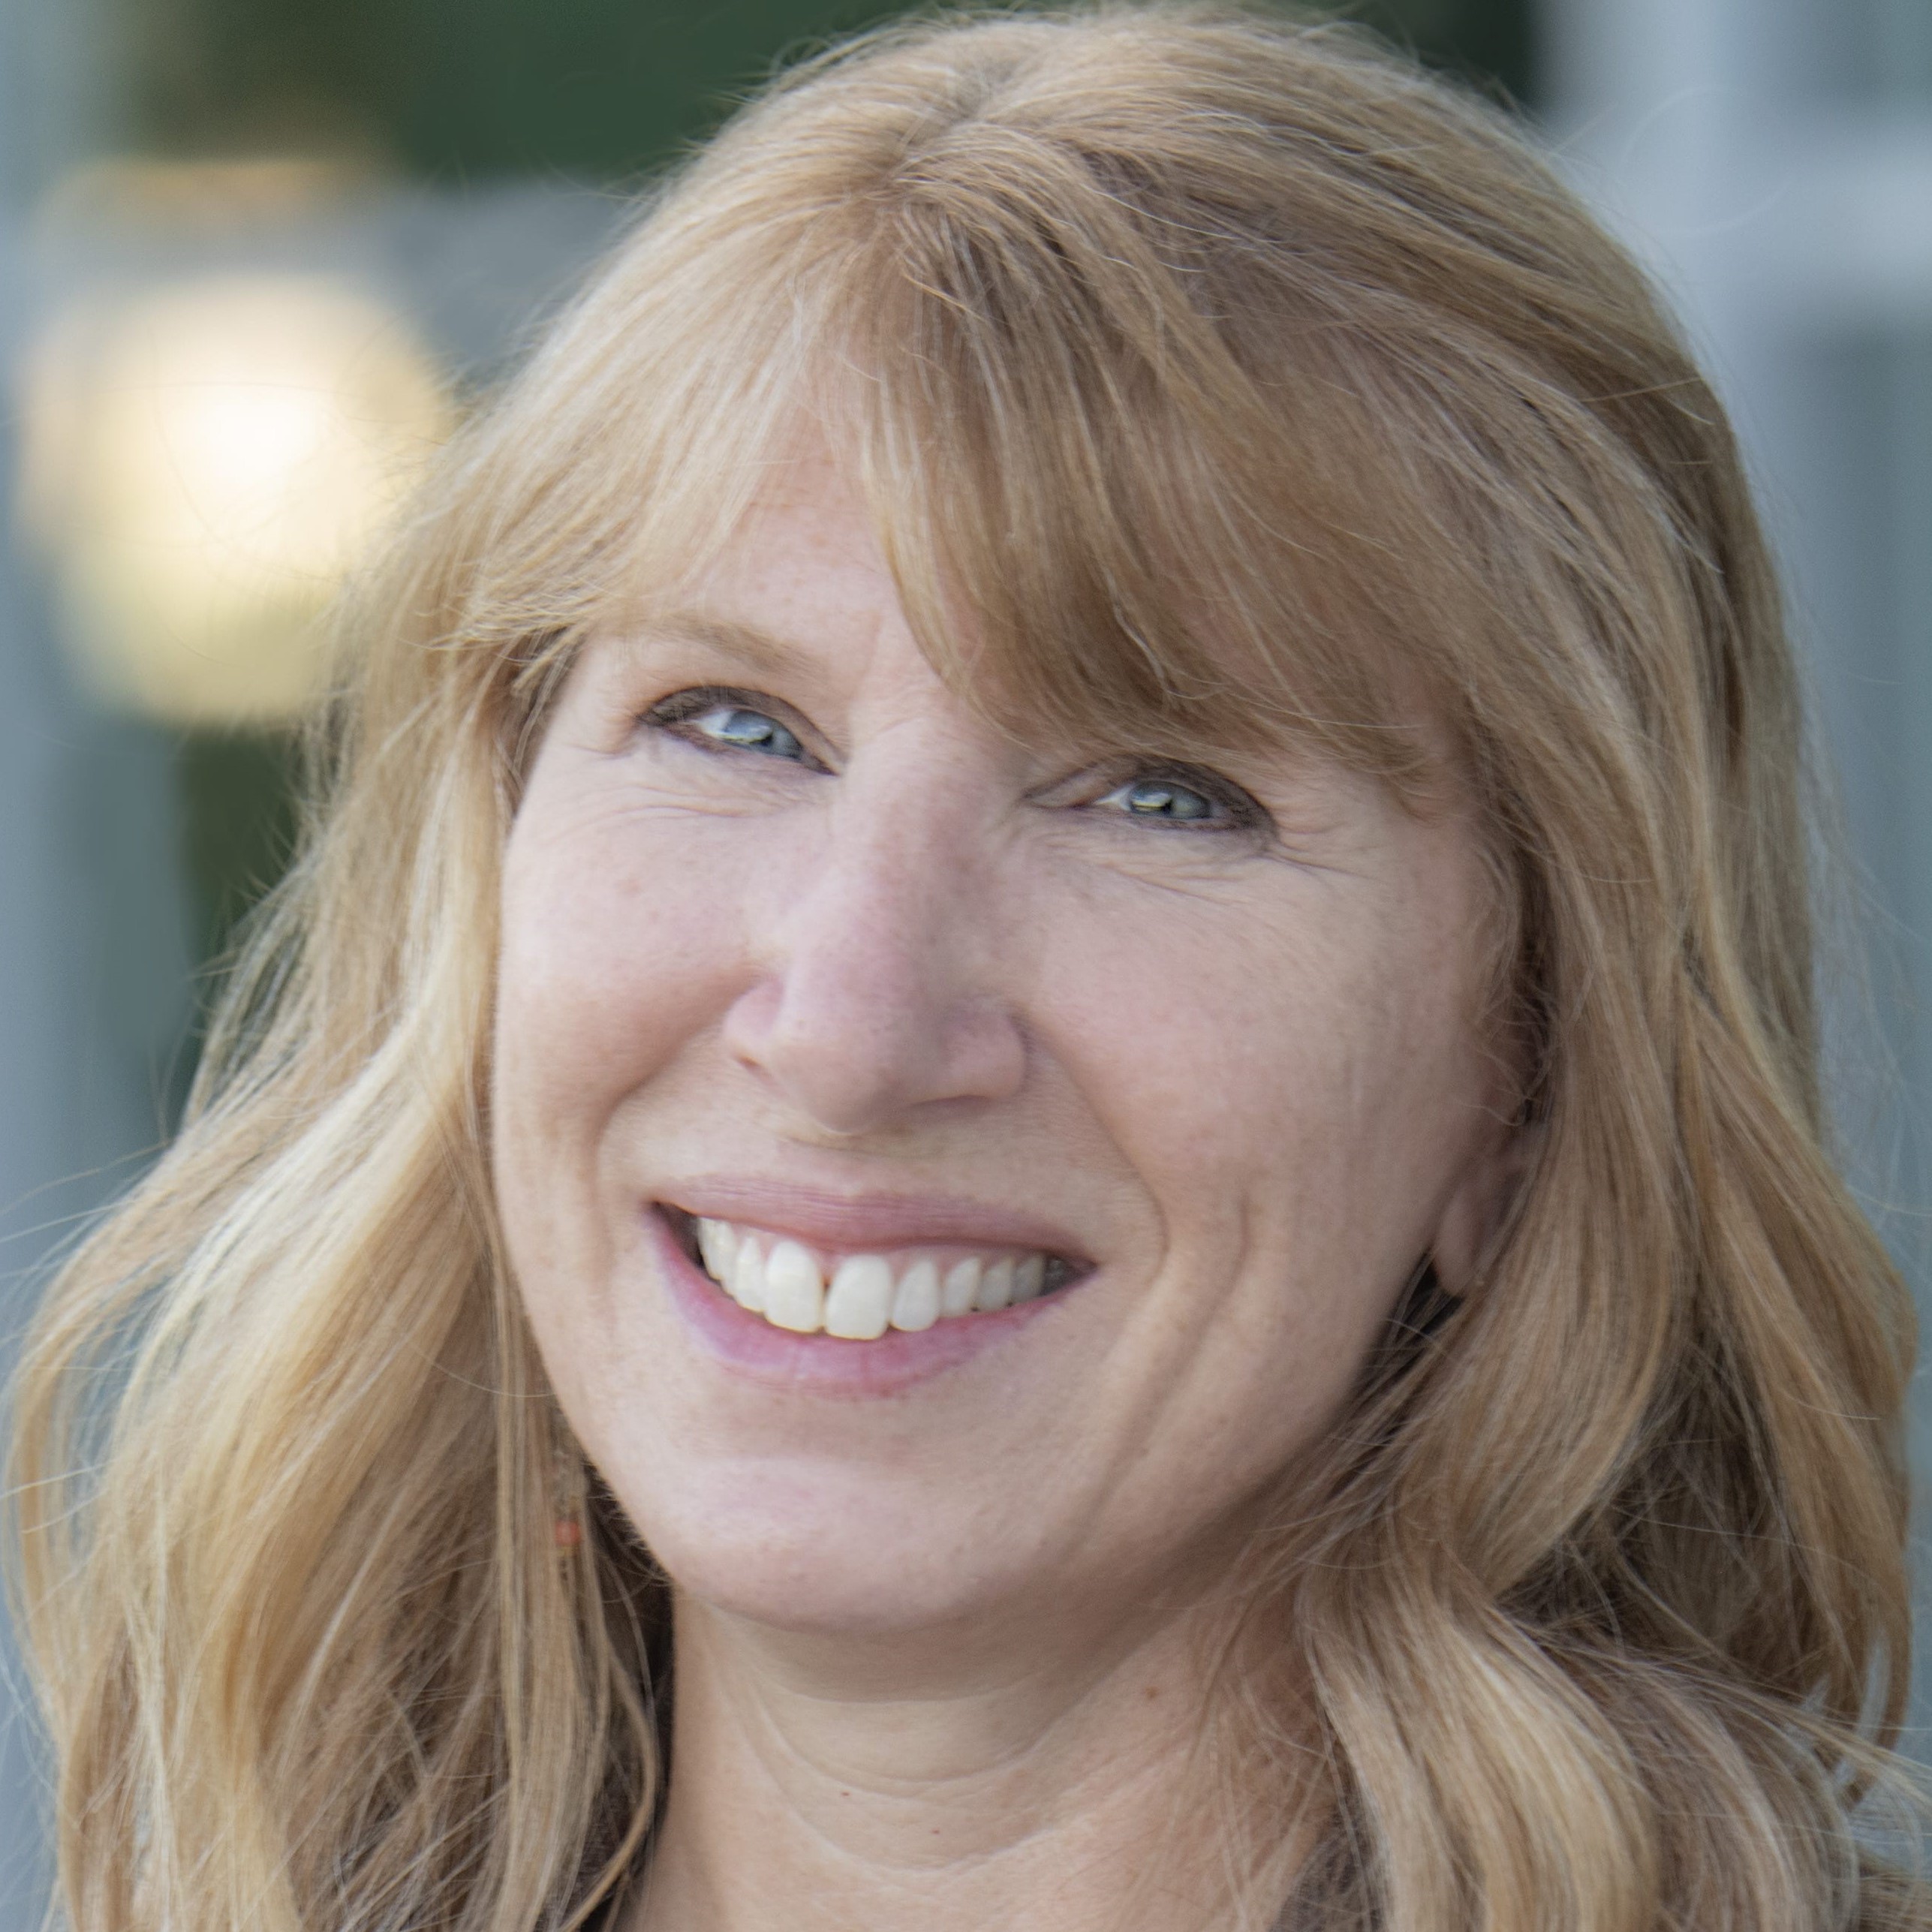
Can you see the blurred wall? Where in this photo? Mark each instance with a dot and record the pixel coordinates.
(1772, 160)
(87, 858)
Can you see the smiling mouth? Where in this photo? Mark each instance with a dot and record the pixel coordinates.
(859, 1297)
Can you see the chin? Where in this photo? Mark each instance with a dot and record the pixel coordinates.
(830, 1556)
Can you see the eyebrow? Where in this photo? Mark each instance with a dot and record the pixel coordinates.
(758, 651)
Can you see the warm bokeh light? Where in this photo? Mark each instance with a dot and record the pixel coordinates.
(204, 460)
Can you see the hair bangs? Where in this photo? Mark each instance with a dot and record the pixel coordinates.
(1103, 525)
(1135, 489)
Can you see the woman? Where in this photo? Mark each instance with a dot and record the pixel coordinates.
(1033, 1138)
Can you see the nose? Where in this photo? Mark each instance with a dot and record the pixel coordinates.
(879, 993)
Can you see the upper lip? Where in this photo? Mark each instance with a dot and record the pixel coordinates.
(866, 1223)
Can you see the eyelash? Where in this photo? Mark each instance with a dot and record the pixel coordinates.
(1244, 813)
(681, 706)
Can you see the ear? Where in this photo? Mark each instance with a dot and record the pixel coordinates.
(1478, 1215)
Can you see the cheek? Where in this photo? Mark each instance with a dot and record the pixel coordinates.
(1286, 1085)
(1293, 1082)
(1236, 1053)
(614, 957)
(616, 949)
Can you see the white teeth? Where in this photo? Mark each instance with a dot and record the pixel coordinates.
(915, 1306)
(858, 1304)
(789, 1288)
(747, 1276)
(794, 1290)
(717, 1243)
(996, 1287)
(962, 1289)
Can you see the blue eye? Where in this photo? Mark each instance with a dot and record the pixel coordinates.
(1167, 800)
(748, 731)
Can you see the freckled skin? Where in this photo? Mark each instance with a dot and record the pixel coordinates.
(1239, 1067)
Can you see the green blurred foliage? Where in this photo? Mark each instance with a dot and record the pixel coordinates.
(596, 89)
(237, 801)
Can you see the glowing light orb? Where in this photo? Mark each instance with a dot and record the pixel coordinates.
(204, 462)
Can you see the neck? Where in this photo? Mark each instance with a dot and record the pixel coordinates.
(863, 1784)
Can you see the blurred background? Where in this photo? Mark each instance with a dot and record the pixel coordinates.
(257, 256)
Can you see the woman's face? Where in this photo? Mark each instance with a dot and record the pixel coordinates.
(800, 956)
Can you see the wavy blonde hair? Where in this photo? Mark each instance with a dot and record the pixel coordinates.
(1211, 377)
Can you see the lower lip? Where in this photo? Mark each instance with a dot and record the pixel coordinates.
(752, 1346)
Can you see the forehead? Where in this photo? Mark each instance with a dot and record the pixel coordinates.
(807, 552)
(800, 589)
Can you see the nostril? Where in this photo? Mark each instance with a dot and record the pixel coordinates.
(753, 1021)
(854, 1051)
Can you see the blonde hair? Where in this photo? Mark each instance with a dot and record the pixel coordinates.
(1211, 378)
